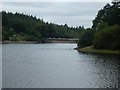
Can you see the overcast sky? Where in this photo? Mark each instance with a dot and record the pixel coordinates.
(71, 13)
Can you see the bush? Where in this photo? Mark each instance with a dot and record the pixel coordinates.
(108, 38)
(86, 38)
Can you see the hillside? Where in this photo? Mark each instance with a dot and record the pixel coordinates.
(21, 27)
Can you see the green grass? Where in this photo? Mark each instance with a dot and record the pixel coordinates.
(90, 49)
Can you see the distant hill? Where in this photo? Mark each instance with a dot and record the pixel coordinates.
(21, 27)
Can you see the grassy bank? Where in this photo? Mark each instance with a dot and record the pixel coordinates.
(90, 49)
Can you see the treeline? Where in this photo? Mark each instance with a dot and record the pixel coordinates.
(105, 32)
(21, 27)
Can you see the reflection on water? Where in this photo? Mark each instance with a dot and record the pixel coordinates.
(57, 66)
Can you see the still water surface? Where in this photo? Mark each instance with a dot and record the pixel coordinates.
(56, 66)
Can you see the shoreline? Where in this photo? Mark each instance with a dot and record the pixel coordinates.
(90, 49)
(34, 42)
(19, 42)
(45, 40)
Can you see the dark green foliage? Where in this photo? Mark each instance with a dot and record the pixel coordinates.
(6, 33)
(23, 27)
(86, 38)
(19, 27)
(107, 27)
(42, 29)
(108, 38)
(110, 14)
(98, 18)
(101, 26)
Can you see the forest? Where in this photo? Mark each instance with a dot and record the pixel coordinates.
(21, 27)
(105, 31)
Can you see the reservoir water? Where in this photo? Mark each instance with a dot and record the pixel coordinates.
(56, 65)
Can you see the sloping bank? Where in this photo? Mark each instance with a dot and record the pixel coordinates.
(90, 49)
